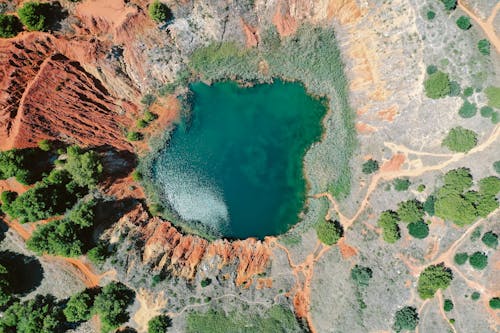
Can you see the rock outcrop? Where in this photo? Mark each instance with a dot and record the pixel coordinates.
(166, 249)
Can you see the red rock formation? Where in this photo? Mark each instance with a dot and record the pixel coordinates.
(47, 95)
(166, 248)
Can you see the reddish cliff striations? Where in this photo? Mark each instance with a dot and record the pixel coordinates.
(167, 249)
(46, 95)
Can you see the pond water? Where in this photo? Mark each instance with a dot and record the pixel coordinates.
(236, 163)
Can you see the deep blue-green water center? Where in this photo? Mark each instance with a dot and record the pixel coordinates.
(235, 164)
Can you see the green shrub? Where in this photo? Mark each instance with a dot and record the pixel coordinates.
(493, 95)
(370, 166)
(44, 145)
(137, 176)
(159, 324)
(431, 69)
(79, 307)
(160, 12)
(429, 205)
(148, 99)
(432, 278)
(206, 282)
(84, 167)
(490, 239)
(419, 230)
(431, 15)
(475, 296)
(421, 188)
(410, 211)
(486, 111)
(489, 185)
(495, 303)
(454, 89)
(134, 136)
(495, 118)
(361, 275)
(41, 314)
(463, 22)
(16, 163)
(141, 123)
(496, 166)
(34, 15)
(150, 116)
(478, 260)
(461, 258)
(388, 221)
(467, 110)
(460, 140)
(449, 4)
(437, 85)
(447, 305)
(99, 253)
(405, 319)
(468, 91)
(329, 232)
(111, 305)
(484, 47)
(401, 184)
(10, 26)
(5, 288)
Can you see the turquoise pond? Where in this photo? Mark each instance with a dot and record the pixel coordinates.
(236, 164)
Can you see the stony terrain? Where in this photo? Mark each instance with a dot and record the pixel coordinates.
(83, 83)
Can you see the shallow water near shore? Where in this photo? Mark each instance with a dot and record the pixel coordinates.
(236, 163)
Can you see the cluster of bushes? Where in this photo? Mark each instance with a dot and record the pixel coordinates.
(17, 163)
(432, 278)
(68, 237)
(329, 232)
(410, 211)
(5, 288)
(159, 324)
(146, 119)
(45, 314)
(460, 140)
(484, 47)
(370, 166)
(10, 26)
(58, 191)
(401, 184)
(457, 203)
(468, 109)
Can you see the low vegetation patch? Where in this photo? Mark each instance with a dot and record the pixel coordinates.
(401, 184)
(493, 95)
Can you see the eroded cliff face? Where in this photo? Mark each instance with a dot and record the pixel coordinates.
(162, 248)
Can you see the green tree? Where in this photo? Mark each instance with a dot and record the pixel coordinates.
(10, 26)
(410, 211)
(431, 15)
(496, 166)
(461, 258)
(493, 95)
(13, 163)
(486, 111)
(33, 15)
(329, 232)
(44, 145)
(405, 319)
(159, 324)
(99, 253)
(134, 136)
(401, 184)
(458, 180)
(449, 4)
(463, 22)
(460, 140)
(432, 278)
(160, 12)
(437, 85)
(41, 314)
(475, 296)
(468, 109)
(490, 239)
(469, 91)
(495, 303)
(429, 205)
(447, 305)
(370, 166)
(484, 47)
(489, 185)
(150, 116)
(79, 307)
(85, 167)
(388, 221)
(111, 305)
(478, 260)
(361, 275)
(419, 230)
(5, 288)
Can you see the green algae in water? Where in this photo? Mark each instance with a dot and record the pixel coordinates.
(236, 163)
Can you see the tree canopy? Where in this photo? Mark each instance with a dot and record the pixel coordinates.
(10, 26)
(437, 85)
(388, 221)
(111, 305)
(79, 307)
(159, 324)
(160, 12)
(329, 232)
(478, 260)
(405, 319)
(410, 211)
(34, 15)
(432, 278)
(84, 167)
(370, 166)
(460, 140)
(361, 275)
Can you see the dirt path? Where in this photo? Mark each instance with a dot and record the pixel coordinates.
(486, 26)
